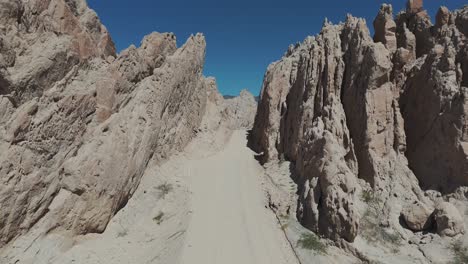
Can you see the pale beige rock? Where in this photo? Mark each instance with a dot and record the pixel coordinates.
(240, 111)
(461, 20)
(338, 106)
(448, 219)
(414, 6)
(442, 17)
(79, 125)
(327, 184)
(432, 90)
(406, 40)
(77, 121)
(10, 13)
(432, 98)
(419, 23)
(418, 216)
(385, 28)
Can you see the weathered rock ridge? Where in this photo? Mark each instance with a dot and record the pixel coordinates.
(79, 123)
(240, 111)
(352, 112)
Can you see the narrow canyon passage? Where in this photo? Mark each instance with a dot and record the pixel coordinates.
(230, 223)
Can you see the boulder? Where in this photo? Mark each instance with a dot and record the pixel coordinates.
(449, 220)
(418, 216)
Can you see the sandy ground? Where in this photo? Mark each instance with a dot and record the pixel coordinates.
(230, 223)
(150, 229)
(203, 206)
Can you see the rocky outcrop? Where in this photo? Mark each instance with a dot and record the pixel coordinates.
(301, 118)
(419, 23)
(414, 6)
(448, 219)
(240, 111)
(418, 216)
(79, 123)
(385, 28)
(434, 107)
(348, 110)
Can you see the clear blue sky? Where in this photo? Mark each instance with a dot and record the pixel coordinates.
(243, 36)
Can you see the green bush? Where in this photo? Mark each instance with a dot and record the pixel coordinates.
(312, 242)
(374, 233)
(367, 196)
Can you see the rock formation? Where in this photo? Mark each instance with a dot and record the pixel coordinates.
(375, 127)
(448, 219)
(385, 28)
(350, 111)
(418, 216)
(80, 123)
(240, 111)
(434, 107)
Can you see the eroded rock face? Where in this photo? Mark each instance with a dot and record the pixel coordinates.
(414, 6)
(419, 23)
(385, 28)
(343, 107)
(79, 123)
(418, 216)
(434, 105)
(311, 130)
(448, 219)
(240, 111)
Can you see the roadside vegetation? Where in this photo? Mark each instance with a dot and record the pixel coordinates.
(310, 241)
(368, 196)
(159, 218)
(460, 253)
(371, 230)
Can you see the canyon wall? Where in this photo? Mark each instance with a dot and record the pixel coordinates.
(352, 112)
(79, 123)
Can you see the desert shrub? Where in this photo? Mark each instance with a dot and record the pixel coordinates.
(460, 253)
(368, 196)
(312, 242)
(159, 218)
(374, 233)
(122, 232)
(165, 189)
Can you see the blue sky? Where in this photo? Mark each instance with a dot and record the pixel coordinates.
(243, 36)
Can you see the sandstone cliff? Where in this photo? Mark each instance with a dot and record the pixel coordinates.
(79, 123)
(366, 120)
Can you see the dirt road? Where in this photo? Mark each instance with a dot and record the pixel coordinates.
(229, 222)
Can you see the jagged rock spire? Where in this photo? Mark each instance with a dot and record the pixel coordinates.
(414, 6)
(385, 28)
